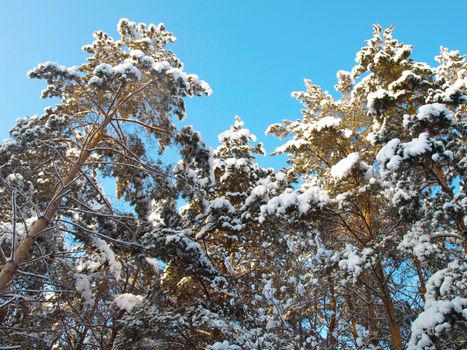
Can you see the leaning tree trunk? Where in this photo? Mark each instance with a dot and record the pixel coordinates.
(22, 250)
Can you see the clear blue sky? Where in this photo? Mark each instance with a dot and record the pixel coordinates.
(252, 53)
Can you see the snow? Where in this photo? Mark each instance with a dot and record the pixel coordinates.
(155, 213)
(236, 133)
(187, 81)
(205, 86)
(103, 69)
(127, 301)
(231, 166)
(160, 67)
(434, 110)
(127, 70)
(95, 206)
(442, 306)
(265, 253)
(129, 29)
(394, 152)
(428, 112)
(14, 178)
(402, 52)
(177, 73)
(228, 265)
(154, 263)
(53, 71)
(363, 334)
(417, 146)
(344, 81)
(83, 286)
(325, 122)
(25, 127)
(107, 255)
(441, 282)
(105, 72)
(346, 133)
(450, 93)
(387, 152)
(266, 188)
(407, 77)
(417, 242)
(432, 322)
(375, 98)
(137, 54)
(269, 291)
(352, 261)
(147, 61)
(291, 145)
(344, 166)
(225, 345)
(221, 203)
(290, 198)
(6, 229)
(181, 243)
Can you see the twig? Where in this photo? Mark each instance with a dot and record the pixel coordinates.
(13, 205)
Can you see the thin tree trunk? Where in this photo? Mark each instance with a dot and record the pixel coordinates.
(352, 322)
(333, 322)
(396, 339)
(422, 289)
(372, 326)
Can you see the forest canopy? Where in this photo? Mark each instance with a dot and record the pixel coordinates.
(358, 243)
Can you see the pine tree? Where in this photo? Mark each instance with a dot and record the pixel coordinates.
(73, 253)
(218, 309)
(388, 153)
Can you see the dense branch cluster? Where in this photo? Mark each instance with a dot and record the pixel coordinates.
(359, 243)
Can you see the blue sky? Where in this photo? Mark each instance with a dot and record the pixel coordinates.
(252, 53)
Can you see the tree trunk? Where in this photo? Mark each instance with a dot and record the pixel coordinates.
(22, 250)
(422, 289)
(396, 340)
(372, 326)
(333, 322)
(352, 322)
